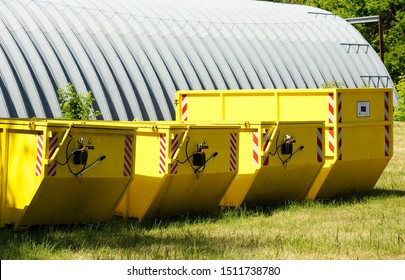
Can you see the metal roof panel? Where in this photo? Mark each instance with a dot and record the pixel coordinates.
(134, 55)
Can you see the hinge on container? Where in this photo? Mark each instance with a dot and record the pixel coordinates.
(31, 124)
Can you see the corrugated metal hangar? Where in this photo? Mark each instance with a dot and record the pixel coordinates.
(134, 54)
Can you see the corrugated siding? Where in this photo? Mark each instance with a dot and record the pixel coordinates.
(134, 54)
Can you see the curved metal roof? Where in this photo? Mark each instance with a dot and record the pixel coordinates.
(134, 54)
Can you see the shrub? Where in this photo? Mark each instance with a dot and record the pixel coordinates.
(76, 105)
(333, 84)
(399, 109)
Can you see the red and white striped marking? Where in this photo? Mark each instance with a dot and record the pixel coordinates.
(331, 139)
(175, 146)
(40, 151)
(331, 100)
(339, 143)
(387, 140)
(162, 154)
(387, 127)
(319, 140)
(255, 148)
(331, 120)
(53, 144)
(339, 129)
(266, 142)
(233, 147)
(128, 155)
(339, 107)
(184, 111)
(386, 106)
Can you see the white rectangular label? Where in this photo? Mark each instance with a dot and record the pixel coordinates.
(363, 109)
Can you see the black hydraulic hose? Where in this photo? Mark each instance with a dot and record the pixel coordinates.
(91, 165)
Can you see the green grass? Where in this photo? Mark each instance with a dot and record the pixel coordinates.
(370, 226)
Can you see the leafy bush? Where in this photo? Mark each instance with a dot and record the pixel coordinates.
(76, 105)
(399, 109)
(333, 84)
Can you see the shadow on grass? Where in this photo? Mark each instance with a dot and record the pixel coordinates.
(116, 239)
(194, 218)
(361, 197)
(268, 209)
(153, 238)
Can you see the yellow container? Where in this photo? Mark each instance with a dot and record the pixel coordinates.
(277, 161)
(358, 133)
(63, 172)
(180, 169)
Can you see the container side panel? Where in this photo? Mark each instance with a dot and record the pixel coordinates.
(250, 107)
(206, 108)
(362, 143)
(64, 201)
(22, 181)
(350, 177)
(362, 106)
(294, 107)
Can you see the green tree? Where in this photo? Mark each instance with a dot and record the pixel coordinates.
(393, 20)
(399, 109)
(75, 105)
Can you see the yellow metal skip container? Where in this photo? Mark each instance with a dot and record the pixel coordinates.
(63, 172)
(180, 169)
(277, 161)
(358, 133)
